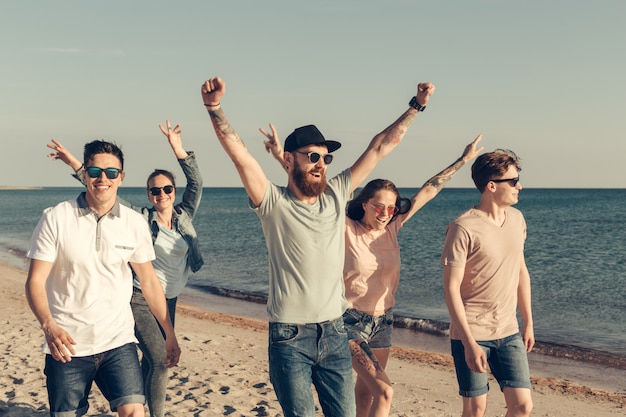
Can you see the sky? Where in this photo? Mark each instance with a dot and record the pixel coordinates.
(545, 79)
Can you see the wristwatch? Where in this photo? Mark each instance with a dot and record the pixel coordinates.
(413, 103)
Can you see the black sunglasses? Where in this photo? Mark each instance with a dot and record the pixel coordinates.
(314, 157)
(512, 181)
(157, 190)
(95, 172)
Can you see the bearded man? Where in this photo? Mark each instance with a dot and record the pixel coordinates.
(303, 225)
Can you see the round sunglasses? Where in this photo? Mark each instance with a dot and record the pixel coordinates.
(380, 209)
(315, 156)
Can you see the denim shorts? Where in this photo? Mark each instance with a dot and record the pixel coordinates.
(507, 360)
(116, 372)
(375, 330)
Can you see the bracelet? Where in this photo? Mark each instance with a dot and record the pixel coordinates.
(76, 171)
(212, 105)
(413, 103)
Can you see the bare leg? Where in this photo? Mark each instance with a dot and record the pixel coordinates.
(474, 406)
(518, 402)
(131, 410)
(373, 388)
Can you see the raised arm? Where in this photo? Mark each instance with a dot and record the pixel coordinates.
(388, 139)
(59, 152)
(250, 172)
(174, 139)
(187, 161)
(273, 146)
(431, 188)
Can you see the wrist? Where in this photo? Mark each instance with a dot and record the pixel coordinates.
(212, 106)
(413, 103)
(77, 170)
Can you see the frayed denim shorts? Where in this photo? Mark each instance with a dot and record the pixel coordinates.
(375, 330)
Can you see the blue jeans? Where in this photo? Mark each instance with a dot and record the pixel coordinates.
(375, 330)
(152, 344)
(318, 353)
(116, 372)
(507, 360)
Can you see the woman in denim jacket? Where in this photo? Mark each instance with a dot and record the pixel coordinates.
(176, 249)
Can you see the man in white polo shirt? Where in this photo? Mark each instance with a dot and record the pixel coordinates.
(79, 287)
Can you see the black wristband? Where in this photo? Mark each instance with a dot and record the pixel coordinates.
(413, 103)
(212, 105)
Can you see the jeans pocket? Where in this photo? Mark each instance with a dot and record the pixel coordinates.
(281, 332)
(340, 327)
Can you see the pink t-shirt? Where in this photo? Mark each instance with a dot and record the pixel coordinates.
(491, 256)
(371, 270)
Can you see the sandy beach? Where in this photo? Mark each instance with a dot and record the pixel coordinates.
(223, 371)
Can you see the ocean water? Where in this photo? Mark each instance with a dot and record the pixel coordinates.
(575, 252)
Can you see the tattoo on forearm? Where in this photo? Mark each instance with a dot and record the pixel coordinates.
(441, 179)
(396, 131)
(223, 129)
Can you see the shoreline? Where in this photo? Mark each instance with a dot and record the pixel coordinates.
(223, 370)
(435, 328)
(592, 368)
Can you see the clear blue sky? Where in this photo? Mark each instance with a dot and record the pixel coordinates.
(544, 78)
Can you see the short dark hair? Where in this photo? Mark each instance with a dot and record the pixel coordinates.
(355, 211)
(163, 172)
(491, 165)
(101, 146)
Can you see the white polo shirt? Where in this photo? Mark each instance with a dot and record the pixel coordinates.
(90, 284)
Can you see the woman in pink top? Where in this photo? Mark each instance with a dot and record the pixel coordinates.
(372, 272)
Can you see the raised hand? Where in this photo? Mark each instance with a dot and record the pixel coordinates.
(61, 153)
(471, 151)
(273, 146)
(424, 91)
(213, 90)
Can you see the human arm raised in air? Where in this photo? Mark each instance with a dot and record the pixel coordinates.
(249, 170)
(431, 188)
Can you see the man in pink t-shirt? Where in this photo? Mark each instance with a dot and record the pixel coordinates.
(485, 281)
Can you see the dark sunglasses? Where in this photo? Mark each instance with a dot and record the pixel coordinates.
(95, 172)
(314, 157)
(512, 181)
(157, 190)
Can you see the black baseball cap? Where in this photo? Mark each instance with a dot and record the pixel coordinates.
(309, 135)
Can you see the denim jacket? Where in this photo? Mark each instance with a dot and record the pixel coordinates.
(183, 212)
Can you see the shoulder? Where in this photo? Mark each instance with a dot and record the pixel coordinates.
(342, 179)
(132, 214)
(61, 207)
(468, 216)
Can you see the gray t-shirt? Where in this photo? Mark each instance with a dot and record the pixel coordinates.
(306, 252)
